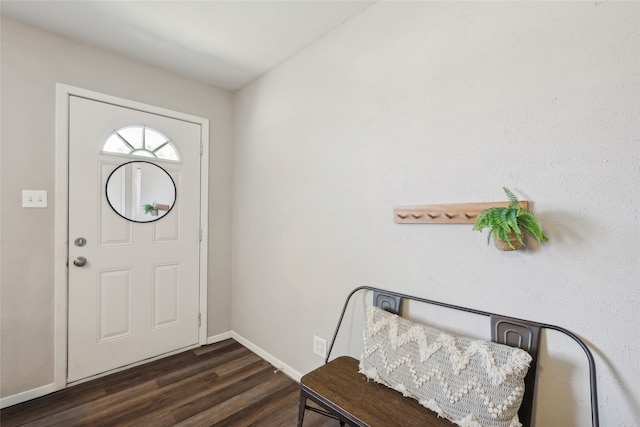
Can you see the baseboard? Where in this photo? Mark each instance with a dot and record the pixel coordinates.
(220, 337)
(279, 365)
(27, 395)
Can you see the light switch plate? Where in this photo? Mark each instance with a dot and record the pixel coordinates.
(34, 198)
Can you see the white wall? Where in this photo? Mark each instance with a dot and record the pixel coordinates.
(32, 63)
(445, 102)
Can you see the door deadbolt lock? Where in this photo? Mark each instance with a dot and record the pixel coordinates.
(80, 241)
(80, 261)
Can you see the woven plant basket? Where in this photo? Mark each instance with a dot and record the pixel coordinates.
(504, 246)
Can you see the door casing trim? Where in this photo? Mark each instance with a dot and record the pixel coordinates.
(61, 213)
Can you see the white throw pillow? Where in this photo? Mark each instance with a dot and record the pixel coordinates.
(473, 383)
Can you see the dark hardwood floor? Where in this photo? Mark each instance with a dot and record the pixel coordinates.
(222, 384)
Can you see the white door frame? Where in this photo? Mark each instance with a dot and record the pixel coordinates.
(61, 228)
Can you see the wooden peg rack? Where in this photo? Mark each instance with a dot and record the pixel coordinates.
(457, 213)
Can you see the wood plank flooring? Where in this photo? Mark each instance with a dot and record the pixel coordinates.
(222, 384)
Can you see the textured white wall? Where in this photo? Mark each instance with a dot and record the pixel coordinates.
(32, 63)
(443, 102)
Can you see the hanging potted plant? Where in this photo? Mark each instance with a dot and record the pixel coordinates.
(151, 209)
(508, 224)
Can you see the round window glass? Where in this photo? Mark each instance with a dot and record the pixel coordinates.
(141, 191)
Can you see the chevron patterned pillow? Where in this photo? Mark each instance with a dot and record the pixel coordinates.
(472, 383)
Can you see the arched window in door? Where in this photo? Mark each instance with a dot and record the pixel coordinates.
(141, 141)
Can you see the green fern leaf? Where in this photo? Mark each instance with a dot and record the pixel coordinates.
(504, 222)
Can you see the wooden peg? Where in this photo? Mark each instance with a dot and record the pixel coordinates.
(449, 215)
(416, 216)
(402, 216)
(432, 216)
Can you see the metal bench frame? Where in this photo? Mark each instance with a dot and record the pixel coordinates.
(524, 334)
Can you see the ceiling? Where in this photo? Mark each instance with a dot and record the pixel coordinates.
(227, 44)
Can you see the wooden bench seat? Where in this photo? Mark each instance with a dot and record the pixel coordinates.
(334, 385)
(342, 393)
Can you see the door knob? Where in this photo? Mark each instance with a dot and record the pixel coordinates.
(80, 261)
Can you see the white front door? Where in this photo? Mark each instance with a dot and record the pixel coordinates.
(137, 295)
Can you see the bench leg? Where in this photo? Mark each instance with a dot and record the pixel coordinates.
(302, 406)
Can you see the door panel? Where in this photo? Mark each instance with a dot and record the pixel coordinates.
(137, 297)
(168, 230)
(114, 304)
(113, 230)
(166, 310)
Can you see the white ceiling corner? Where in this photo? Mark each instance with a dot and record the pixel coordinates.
(222, 43)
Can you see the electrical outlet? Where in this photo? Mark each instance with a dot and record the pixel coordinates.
(320, 346)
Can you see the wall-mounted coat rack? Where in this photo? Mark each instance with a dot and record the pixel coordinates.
(456, 213)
